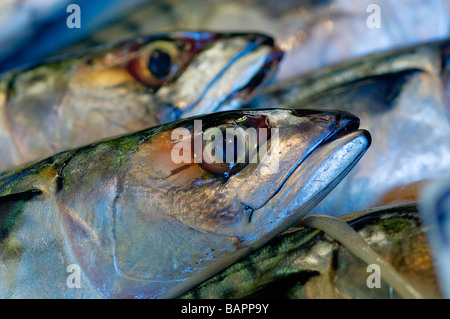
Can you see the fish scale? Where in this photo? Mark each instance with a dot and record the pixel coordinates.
(305, 263)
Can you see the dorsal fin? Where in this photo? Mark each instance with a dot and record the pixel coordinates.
(11, 206)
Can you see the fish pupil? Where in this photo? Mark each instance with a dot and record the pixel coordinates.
(159, 63)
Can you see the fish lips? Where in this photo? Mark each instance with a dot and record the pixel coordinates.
(314, 176)
(240, 78)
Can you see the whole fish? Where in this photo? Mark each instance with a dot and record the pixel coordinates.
(306, 263)
(401, 97)
(313, 34)
(127, 87)
(140, 224)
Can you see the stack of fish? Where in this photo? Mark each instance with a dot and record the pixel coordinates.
(95, 206)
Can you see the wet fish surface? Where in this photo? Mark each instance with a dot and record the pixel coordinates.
(139, 224)
(126, 87)
(313, 34)
(401, 97)
(306, 263)
(435, 212)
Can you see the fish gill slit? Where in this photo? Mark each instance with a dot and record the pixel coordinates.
(119, 189)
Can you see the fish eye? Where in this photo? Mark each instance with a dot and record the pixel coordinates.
(225, 150)
(156, 64)
(159, 63)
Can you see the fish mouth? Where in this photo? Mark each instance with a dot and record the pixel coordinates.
(314, 175)
(346, 124)
(241, 76)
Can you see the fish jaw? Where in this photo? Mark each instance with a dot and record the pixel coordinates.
(298, 135)
(309, 183)
(248, 60)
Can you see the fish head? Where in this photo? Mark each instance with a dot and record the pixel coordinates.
(181, 213)
(222, 74)
(132, 85)
(179, 73)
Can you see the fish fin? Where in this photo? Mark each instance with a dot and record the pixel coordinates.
(10, 207)
(354, 243)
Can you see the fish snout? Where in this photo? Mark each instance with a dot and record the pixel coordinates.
(242, 64)
(342, 121)
(309, 154)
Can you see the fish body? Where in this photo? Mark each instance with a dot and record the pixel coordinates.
(139, 223)
(313, 34)
(306, 263)
(401, 97)
(435, 212)
(121, 88)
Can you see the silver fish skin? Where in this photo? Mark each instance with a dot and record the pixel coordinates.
(435, 212)
(140, 225)
(304, 263)
(81, 97)
(401, 97)
(312, 33)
